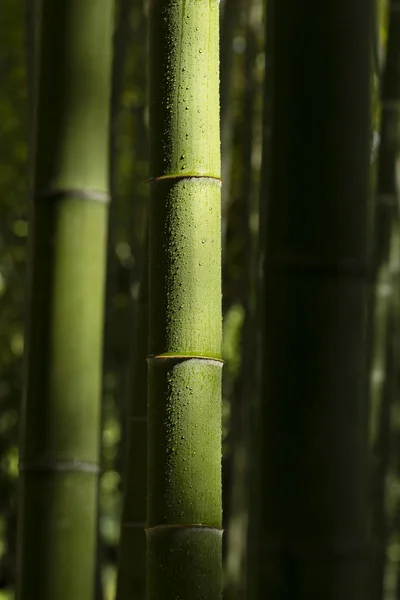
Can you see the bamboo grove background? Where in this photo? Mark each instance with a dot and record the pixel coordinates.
(244, 68)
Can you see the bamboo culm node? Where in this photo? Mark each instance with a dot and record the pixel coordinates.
(79, 193)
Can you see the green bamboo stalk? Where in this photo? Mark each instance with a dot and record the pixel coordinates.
(317, 265)
(184, 453)
(131, 582)
(60, 429)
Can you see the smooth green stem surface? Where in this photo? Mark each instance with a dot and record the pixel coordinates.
(60, 417)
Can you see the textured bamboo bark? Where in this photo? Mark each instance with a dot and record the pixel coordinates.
(60, 429)
(184, 462)
(131, 582)
(317, 278)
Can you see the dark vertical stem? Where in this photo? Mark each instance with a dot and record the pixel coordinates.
(254, 432)
(230, 22)
(382, 455)
(240, 251)
(131, 582)
(313, 470)
(387, 215)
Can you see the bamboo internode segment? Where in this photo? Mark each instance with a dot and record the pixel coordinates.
(189, 556)
(185, 267)
(60, 466)
(184, 478)
(184, 88)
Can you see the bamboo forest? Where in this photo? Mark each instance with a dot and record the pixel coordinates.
(199, 299)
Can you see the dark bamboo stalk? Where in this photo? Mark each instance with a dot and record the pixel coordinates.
(131, 582)
(317, 269)
(242, 257)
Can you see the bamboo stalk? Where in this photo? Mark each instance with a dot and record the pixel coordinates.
(242, 258)
(131, 582)
(184, 453)
(383, 373)
(60, 429)
(317, 268)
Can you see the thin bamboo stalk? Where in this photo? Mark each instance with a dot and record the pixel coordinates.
(131, 582)
(243, 261)
(386, 242)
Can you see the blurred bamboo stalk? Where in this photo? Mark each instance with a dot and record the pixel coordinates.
(60, 421)
(314, 516)
(240, 257)
(384, 373)
(131, 581)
